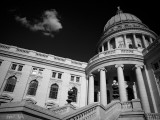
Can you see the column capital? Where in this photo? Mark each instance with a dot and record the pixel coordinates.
(103, 69)
(119, 65)
(137, 66)
(91, 75)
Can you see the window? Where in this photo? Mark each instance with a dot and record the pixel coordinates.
(59, 75)
(37, 71)
(0, 63)
(53, 74)
(56, 74)
(75, 78)
(72, 78)
(16, 67)
(32, 87)
(10, 85)
(53, 91)
(74, 94)
(13, 67)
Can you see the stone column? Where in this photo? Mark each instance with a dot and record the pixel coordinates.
(135, 41)
(108, 43)
(144, 41)
(151, 40)
(121, 83)
(142, 89)
(125, 41)
(116, 43)
(134, 90)
(91, 89)
(103, 88)
(102, 48)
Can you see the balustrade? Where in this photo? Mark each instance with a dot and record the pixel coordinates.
(87, 114)
(115, 52)
(127, 106)
(152, 116)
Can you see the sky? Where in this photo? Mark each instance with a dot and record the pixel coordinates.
(69, 29)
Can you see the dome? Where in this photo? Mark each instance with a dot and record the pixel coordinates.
(121, 17)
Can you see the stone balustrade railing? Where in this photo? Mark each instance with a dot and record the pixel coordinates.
(36, 54)
(152, 116)
(113, 110)
(126, 106)
(94, 111)
(115, 52)
(89, 112)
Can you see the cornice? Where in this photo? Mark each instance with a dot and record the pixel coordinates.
(114, 58)
(40, 61)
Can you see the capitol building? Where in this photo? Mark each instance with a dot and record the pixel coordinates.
(120, 82)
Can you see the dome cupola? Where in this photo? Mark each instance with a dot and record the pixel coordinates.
(121, 17)
(127, 29)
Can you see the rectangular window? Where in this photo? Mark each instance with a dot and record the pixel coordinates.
(16, 67)
(20, 68)
(77, 79)
(59, 75)
(13, 67)
(72, 78)
(34, 71)
(40, 71)
(53, 74)
(37, 71)
(0, 63)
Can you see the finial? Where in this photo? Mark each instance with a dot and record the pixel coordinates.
(119, 11)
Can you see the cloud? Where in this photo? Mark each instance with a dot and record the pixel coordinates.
(48, 25)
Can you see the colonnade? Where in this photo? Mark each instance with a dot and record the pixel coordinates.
(145, 42)
(121, 83)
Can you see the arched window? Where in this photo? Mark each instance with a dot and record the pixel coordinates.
(10, 85)
(53, 91)
(32, 87)
(74, 94)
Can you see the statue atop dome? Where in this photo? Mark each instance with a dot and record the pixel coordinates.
(119, 11)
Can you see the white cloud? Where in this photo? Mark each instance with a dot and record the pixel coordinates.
(48, 25)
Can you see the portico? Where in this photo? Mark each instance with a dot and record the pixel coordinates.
(127, 76)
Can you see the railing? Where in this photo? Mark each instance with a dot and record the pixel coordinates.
(115, 52)
(126, 106)
(95, 111)
(89, 112)
(112, 111)
(152, 116)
